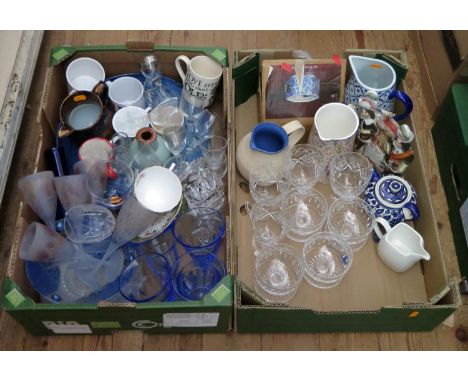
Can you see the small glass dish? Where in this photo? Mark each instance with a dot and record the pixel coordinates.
(268, 185)
(307, 165)
(278, 271)
(350, 174)
(327, 259)
(304, 212)
(352, 220)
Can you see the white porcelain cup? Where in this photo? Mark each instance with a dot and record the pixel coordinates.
(126, 91)
(129, 119)
(83, 74)
(158, 189)
(201, 78)
(400, 247)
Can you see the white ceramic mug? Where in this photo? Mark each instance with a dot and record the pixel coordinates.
(400, 247)
(202, 76)
(83, 74)
(126, 91)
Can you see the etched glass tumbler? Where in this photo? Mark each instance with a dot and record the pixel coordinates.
(196, 273)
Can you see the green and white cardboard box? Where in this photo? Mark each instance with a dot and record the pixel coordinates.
(212, 314)
(371, 298)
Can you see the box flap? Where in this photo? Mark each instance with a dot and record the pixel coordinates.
(245, 75)
(460, 96)
(61, 53)
(13, 297)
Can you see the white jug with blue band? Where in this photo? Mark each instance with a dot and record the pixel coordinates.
(268, 143)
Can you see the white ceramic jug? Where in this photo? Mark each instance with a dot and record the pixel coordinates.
(268, 144)
(400, 247)
(334, 130)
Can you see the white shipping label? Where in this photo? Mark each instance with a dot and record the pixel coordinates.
(190, 320)
(67, 328)
(464, 216)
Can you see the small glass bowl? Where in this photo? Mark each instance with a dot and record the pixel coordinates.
(268, 185)
(327, 259)
(266, 224)
(350, 173)
(304, 212)
(278, 272)
(307, 165)
(352, 220)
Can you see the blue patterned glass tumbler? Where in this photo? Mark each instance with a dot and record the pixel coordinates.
(200, 228)
(147, 278)
(196, 273)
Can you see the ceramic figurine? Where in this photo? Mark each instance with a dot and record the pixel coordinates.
(381, 139)
(392, 198)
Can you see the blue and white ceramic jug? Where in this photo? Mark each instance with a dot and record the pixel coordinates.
(370, 75)
(392, 198)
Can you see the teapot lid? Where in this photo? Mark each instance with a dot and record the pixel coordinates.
(393, 191)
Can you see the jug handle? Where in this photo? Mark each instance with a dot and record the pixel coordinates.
(385, 225)
(406, 100)
(64, 131)
(413, 208)
(101, 89)
(295, 132)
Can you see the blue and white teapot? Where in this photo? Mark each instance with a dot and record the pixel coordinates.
(392, 198)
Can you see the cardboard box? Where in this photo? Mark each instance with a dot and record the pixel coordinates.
(212, 314)
(450, 136)
(371, 297)
(442, 60)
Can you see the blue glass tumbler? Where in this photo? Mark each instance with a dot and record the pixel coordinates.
(200, 228)
(196, 273)
(147, 278)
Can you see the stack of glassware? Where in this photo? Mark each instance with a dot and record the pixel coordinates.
(112, 244)
(287, 207)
